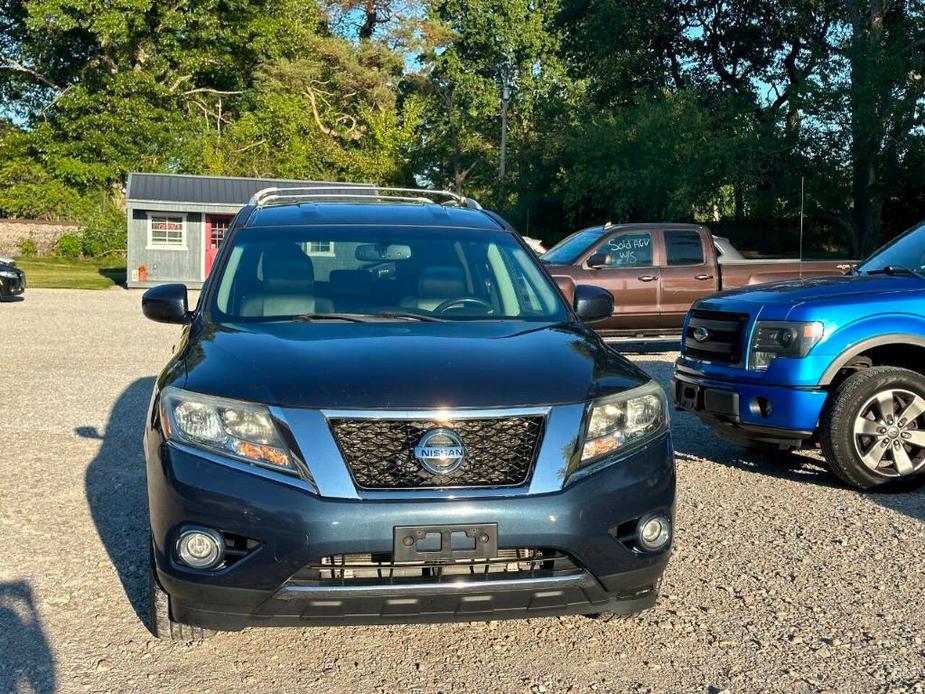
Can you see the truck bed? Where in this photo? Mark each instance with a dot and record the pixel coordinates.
(740, 273)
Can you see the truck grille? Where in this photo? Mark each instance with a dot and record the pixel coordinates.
(725, 336)
(500, 451)
(377, 569)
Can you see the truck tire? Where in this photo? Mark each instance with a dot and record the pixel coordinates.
(872, 428)
(159, 621)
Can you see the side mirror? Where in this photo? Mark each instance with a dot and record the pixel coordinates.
(166, 304)
(599, 260)
(593, 303)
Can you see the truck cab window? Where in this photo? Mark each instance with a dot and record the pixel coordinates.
(684, 248)
(628, 250)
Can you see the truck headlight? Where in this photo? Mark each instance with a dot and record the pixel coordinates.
(773, 339)
(620, 422)
(229, 427)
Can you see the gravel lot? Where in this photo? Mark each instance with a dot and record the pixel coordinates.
(781, 579)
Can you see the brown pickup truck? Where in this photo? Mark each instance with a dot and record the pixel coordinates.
(656, 271)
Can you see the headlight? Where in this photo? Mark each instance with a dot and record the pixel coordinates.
(9, 275)
(619, 422)
(229, 427)
(781, 339)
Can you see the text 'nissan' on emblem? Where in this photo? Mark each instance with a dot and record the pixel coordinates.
(701, 334)
(440, 451)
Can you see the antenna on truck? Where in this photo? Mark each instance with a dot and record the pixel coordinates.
(802, 199)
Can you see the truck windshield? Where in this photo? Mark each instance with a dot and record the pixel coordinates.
(364, 272)
(568, 249)
(904, 253)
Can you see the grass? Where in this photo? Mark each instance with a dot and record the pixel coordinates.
(73, 273)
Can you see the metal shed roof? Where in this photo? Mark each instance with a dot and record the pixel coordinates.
(222, 190)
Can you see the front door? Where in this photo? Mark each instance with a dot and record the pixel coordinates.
(216, 226)
(631, 277)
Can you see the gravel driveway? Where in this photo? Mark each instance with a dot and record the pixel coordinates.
(781, 580)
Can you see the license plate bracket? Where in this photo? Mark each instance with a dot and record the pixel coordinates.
(470, 541)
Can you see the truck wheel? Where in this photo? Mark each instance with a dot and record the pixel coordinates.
(873, 427)
(159, 621)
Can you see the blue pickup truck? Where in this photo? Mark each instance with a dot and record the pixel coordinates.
(833, 361)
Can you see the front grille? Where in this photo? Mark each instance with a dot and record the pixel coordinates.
(500, 451)
(726, 334)
(379, 569)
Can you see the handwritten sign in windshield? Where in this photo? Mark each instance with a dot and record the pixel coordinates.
(630, 250)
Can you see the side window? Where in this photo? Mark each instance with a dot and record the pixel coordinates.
(684, 248)
(628, 250)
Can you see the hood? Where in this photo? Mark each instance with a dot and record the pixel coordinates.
(399, 365)
(847, 288)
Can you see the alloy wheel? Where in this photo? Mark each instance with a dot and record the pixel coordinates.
(889, 433)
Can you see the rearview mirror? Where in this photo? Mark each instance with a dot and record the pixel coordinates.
(599, 260)
(593, 303)
(166, 303)
(374, 253)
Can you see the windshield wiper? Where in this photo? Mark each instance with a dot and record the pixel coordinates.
(365, 317)
(407, 315)
(351, 317)
(896, 270)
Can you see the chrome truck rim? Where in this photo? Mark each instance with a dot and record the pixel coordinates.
(889, 434)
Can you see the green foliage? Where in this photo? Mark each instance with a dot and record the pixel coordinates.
(28, 247)
(699, 110)
(69, 245)
(104, 233)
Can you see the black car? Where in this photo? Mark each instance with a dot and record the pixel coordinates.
(12, 279)
(383, 410)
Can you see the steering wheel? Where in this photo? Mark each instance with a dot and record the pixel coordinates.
(462, 302)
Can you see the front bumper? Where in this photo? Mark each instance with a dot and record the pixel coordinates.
(295, 527)
(750, 412)
(12, 286)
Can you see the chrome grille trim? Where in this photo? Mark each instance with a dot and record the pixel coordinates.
(726, 343)
(379, 451)
(313, 436)
(447, 413)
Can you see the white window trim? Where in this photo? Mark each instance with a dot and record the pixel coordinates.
(320, 254)
(151, 246)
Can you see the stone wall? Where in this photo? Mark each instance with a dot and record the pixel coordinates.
(44, 234)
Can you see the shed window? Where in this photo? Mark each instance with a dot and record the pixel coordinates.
(320, 248)
(167, 231)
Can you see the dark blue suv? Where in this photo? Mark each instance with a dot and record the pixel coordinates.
(384, 410)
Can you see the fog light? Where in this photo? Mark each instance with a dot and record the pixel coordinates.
(201, 548)
(653, 532)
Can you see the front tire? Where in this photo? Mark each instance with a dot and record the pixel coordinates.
(159, 620)
(872, 428)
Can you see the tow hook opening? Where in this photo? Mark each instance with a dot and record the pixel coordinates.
(760, 407)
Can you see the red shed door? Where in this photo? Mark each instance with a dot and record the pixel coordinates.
(216, 226)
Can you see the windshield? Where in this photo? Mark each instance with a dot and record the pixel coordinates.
(905, 251)
(568, 249)
(433, 274)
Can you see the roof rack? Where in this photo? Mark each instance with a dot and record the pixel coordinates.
(358, 192)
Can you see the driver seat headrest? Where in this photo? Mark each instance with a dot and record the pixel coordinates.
(443, 282)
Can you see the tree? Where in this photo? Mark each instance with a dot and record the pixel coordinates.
(885, 52)
(468, 44)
